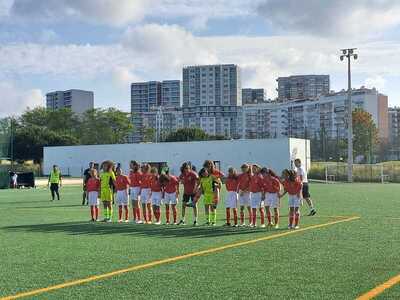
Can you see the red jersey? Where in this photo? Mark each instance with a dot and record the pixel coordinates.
(146, 180)
(135, 178)
(122, 182)
(271, 185)
(292, 187)
(244, 182)
(189, 180)
(217, 173)
(231, 184)
(93, 185)
(256, 183)
(155, 184)
(173, 185)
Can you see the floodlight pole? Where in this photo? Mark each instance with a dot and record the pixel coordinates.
(348, 53)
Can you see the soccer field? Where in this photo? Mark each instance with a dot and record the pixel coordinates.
(52, 250)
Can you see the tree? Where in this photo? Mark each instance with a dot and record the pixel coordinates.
(30, 140)
(105, 126)
(41, 127)
(365, 134)
(149, 135)
(187, 134)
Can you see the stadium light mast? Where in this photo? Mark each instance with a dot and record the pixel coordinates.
(349, 53)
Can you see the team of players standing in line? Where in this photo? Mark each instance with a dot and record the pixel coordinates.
(254, 190)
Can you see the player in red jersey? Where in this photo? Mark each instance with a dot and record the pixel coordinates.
(92, 186)
(122, 187)
(171, 195)
(145, 193)
(293, 187)
(256, 187)
(156, 195)
(190, 181)
(231, 200)
(135, 178)
(272, 187)
(244, 192)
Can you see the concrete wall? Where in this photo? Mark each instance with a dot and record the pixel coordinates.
(274, 153)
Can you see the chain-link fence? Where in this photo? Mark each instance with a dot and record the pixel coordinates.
(331, 172)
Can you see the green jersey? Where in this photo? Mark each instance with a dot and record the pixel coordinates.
(106, 193)
(55, 176)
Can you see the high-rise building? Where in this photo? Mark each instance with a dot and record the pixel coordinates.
(253, 96)
(171, 93)
(212, 85)
(146, 98)
(314, 117)
(302, 87)
(78, 101)
(211, 97)
(394, 125)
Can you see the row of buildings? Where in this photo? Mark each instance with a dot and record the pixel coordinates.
(211, 97)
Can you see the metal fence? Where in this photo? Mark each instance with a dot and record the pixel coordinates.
(331, 172)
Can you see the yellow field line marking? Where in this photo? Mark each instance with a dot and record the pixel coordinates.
(169, 260)
(380, 288)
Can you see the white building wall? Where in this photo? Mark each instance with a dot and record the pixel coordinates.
(274, 153)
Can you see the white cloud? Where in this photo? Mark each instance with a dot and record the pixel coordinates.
(377, 82)
(123, 76)
(157, 52)
(5, 6)
(15, 100)
(355, 18)
(121, 12)
(96, 11)
(164, 49)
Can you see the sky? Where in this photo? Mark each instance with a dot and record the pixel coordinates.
(104, 45)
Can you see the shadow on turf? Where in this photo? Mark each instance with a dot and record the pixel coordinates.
(50, 206)
(82, 228)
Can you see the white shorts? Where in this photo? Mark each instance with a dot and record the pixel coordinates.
(231, 200)
(244, 199)
(156, 198)
(122, 198)
(255, 200)
(145, 196)
(272, 200)
(294, 201)
(93, 198)
(170, 198)
(134, 193)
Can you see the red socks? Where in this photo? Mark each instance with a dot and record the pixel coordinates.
(175, 212)
(235, 216)
(119, 212)
(126, 213)
(276, 218)
(228, 215)
(254, 216)
(167, 213)
(296, 218)
(291, 219)
(96, 212)
(250, 215)
(137, 214)
(149, 216)
(262, 216)
(269, 216)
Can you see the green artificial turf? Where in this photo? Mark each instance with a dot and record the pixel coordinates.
(44, 244)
